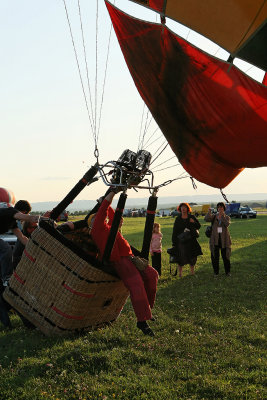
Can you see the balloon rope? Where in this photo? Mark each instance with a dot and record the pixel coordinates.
(141, 125)
(104, 81)
(86, 64)
(148, 140)
(163, 169)
(156, 157)
(224, 196)
(193, 183)
(78, 65)
(164, 162)
(96, 68)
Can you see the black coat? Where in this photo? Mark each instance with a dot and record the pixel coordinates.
(192, 246)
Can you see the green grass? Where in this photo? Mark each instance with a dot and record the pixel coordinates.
(209, 344)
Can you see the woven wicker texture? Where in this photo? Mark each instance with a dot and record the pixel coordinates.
(59, 292)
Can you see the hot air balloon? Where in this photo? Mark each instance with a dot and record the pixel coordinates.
(213, 115)
(7, 196)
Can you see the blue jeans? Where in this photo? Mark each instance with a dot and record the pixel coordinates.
(6, 268)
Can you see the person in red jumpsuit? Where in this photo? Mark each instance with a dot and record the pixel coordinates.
(142, 285)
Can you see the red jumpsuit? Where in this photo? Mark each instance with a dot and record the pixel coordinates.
(141, 285)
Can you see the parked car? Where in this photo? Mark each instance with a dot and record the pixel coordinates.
(200, 209)
(246, 212)
(64, 216)
(232, 209)
(174, 213)
(10, 238)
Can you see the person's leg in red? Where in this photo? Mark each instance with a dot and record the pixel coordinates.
(133, 281)
(150, 278)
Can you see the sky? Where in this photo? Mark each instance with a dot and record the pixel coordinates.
(46, 139)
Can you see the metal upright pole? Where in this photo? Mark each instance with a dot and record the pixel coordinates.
(55, 213)
(150, 217)
(114, 227)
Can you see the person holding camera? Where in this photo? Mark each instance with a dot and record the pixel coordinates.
(220, 239)
(184, 238)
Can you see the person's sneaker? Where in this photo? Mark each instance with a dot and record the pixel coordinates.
(145, 328)
(228, 274)
(216, 276)
(5, 283)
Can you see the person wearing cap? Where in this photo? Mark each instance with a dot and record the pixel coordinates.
(142, 285)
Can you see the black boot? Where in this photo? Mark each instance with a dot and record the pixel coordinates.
(145, 328)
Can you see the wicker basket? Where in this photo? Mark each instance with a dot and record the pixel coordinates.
(60, 288)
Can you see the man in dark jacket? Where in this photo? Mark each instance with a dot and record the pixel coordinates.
(8, 217)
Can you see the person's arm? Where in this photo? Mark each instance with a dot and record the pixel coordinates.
(174, 232)
(193, 220)
(225, 220)
(26, 217)
(102, 213)
(109, 196)
(111, 214)
(208, 216)
(22, 238)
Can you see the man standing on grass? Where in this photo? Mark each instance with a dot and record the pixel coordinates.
(8, 217)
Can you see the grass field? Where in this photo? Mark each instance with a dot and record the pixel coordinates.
(209, 344)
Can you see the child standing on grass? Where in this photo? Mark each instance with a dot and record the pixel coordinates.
(156, 248)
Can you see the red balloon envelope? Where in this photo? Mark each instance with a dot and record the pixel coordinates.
(7, 196)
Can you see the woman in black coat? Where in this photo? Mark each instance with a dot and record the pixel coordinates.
(186, 252)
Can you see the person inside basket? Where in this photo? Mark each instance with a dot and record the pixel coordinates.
(142, 285)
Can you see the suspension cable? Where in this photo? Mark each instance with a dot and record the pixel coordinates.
(85, 60)
(145, 128)
(154, 141)
(104, 81)
(96, 68)
(141, 125)
(163, 169)
(78, 65)
(164, 162)
(148, 140)
(172, 180)
(160, 152)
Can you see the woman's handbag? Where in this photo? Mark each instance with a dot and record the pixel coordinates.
(184, 236)
(188, 235)
(208, 231)
(139, 262)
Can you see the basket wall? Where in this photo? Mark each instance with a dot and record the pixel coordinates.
(59, 292)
